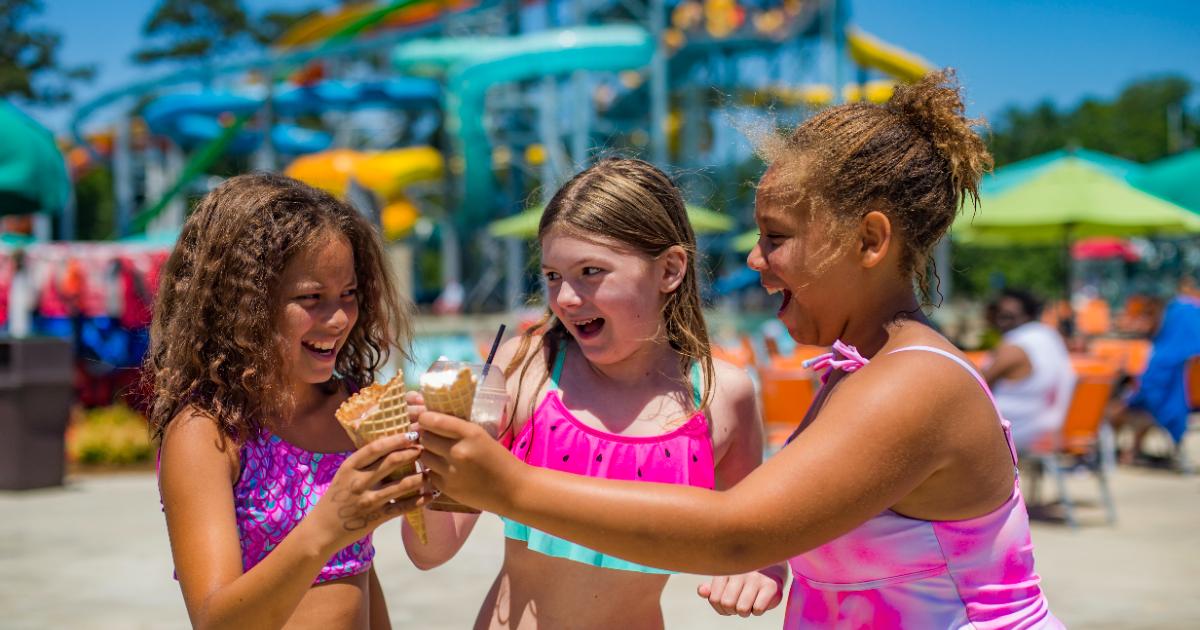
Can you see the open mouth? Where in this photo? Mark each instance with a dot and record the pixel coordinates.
(588, 328)
(324, 350)
(787, 296)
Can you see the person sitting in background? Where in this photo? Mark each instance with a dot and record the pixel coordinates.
(1030, 370)
(1141, 316)
(1161, 395)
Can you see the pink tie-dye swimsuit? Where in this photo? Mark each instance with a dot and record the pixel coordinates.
(900, 572)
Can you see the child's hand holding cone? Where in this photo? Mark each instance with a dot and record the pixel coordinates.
(376, 412)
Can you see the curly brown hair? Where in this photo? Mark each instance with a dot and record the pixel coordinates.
(915, 158)
(214, 340)
(631, 202)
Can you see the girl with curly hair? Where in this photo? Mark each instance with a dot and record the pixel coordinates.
(275, 305)
(896, 501)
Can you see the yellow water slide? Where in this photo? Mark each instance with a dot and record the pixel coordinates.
(869, 51)
(320, 26)
(385, 173)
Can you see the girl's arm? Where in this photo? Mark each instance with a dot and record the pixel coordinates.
(737, 427)
(380, 620)
(448, 531)
(196, 483)
(881, 435)
(1006, 361)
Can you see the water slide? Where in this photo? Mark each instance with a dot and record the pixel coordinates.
(370, 28)
(192, 119)
(201, 160)
(871, 52)
(386, 174)
(472, 65)
(352, 19)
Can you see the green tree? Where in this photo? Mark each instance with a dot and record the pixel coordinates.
(29, 66)
(274, 23)
(1133, 126)
(189, 30)
(182, 30)
(95, 206)
(980, 271)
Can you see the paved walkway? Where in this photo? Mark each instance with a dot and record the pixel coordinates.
(94, 554)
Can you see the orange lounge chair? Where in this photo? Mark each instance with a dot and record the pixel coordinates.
(787, 393)
(1085, 437)
(741, 355)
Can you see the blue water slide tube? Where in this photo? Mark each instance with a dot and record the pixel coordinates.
(193, 119)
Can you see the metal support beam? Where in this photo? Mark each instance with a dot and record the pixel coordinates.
(658, 85)
(123, 176)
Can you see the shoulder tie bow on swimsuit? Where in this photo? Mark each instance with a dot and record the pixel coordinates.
(850, 360)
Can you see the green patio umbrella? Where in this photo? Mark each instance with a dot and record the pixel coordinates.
(1067, 198)
(1175, 178)
(525, 224)
(33, 175)
(1070, 198)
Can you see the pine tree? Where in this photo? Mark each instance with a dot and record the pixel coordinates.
(29, 66)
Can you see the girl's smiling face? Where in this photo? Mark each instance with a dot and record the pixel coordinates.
(796, 255)
(609, 298)
(318, 289)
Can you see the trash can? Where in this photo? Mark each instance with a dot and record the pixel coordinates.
(35, 402)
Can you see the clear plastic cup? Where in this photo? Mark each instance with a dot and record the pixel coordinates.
(489, 408)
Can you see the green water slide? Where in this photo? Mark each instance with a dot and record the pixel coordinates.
(199, 163)
(472, 65)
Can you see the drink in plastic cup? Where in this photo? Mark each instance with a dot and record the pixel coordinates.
(453, 387)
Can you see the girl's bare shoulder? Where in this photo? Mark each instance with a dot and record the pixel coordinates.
(734, 401)
(194, 438)
(732, 383)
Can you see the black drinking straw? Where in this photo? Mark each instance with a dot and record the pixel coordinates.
(492, 354)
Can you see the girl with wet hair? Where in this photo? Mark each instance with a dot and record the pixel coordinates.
(616, 382)
(896, 501)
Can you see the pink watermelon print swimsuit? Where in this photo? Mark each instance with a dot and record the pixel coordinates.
(554, 438)
(900, 572)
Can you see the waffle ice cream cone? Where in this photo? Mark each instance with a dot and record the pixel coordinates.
(449, 392)
(452, 392)
(376, 412)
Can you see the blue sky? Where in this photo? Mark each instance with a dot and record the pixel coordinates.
(1006, 51)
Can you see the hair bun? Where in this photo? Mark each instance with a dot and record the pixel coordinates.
(934, 106)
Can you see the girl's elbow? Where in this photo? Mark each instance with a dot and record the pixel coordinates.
(202, 620)
(737, 556)
(426, 560)
(427, 564)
